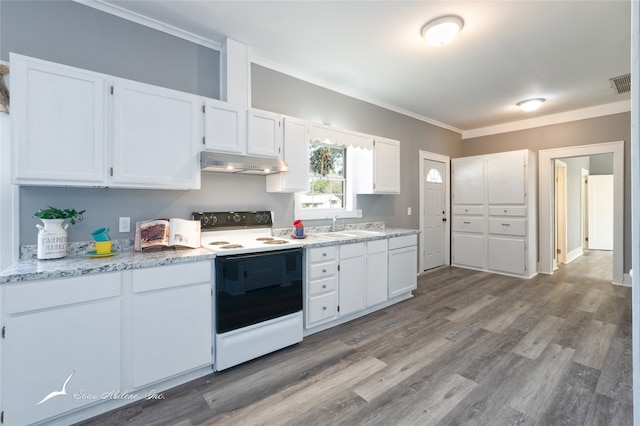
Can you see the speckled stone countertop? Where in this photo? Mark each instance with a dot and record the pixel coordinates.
(77, 263)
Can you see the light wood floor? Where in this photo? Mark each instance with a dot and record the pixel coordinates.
(471, 348)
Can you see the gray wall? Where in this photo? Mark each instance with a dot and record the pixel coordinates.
(76, 35)
(574, 186)
(601, 164)
(610, 128)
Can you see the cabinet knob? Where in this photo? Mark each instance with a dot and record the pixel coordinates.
(324, 286)
(324, 308)
(324, 254)
(324, 270)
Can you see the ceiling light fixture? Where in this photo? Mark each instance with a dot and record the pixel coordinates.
(442, 30)
(531, 104)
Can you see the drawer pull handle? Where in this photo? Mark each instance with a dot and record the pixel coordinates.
(324, 254)
(467, 223)
(506, 224)
(324, 271)
(324, 286)
(324, 308)
(505, 211)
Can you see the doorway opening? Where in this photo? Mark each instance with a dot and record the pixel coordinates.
(547, 218)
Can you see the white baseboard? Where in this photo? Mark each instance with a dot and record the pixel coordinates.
(574, 254)
(627, 281)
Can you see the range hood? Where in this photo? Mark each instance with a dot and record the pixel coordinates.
(231, 163)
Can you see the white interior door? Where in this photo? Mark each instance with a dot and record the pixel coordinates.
(561, 212)
(434, 214)
(600, 207)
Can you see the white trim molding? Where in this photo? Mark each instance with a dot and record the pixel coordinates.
(546, 194)
(547, 120)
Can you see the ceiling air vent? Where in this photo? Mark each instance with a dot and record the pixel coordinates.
(622, 84)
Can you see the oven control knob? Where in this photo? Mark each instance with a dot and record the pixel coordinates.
(236, 218)
(214, 220)
(204, 220)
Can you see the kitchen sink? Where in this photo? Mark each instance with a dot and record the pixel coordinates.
(361, 233)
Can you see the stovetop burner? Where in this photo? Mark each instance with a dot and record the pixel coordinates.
(276, 242)
(243, 232)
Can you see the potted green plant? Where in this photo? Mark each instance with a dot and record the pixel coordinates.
(52, 237)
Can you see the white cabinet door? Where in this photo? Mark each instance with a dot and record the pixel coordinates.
(377, 272)
(155, 137)
(403, 267)
(224, 127)
(321, 308)
(506, 179)
(386, 168)
(78, 345)
(58, 119)
(469, 250)
(468, 180)
(264, 134)
(296, 155)
(351, 279)
(171, 322)
(507, 255)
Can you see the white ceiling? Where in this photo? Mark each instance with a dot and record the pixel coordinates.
(564, 51)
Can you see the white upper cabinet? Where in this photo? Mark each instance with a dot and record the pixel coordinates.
(296, 155)
(155, 137)
(468, 180)
(224, 127)
(58, 124)
(264, 133)
(381, 174)
(73, 127)
(506, 179)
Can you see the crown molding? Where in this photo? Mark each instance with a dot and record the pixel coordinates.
(547, 120)
(151, 23)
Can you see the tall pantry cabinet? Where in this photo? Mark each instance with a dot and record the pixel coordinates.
(494, 213)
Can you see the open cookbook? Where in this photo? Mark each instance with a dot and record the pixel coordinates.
(163, 233)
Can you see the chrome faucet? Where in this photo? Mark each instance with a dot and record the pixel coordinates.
(333, 223)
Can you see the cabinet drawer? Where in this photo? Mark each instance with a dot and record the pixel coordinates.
(42, 294)
(508, 211)
(352, 250)
(171, 276)
(377, 246)
(508, 226)
(322, 286)
(322, 270)
(468, 210)
(321, 308)
(468, 224)
(322, 254)
(404, 241)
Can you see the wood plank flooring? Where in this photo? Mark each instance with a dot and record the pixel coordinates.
(471, 348)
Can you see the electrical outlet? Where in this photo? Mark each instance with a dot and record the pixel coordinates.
(124, 224)
(359, 213)
(408, 211)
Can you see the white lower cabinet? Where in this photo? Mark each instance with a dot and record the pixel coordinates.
(403, 264)
(171, 321)
(469, 250)
(62, 334)
(351, 279)
(377, 271)
(322, 283)
(101, 338)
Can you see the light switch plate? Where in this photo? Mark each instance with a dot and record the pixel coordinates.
(124, 224)
(408, 211)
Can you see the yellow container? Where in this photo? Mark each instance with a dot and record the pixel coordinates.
(103, 247)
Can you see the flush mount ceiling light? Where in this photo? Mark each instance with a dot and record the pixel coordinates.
(530, 104)
(442, 30)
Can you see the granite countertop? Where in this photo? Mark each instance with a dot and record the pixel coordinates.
(28, 269)
(80, 264)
